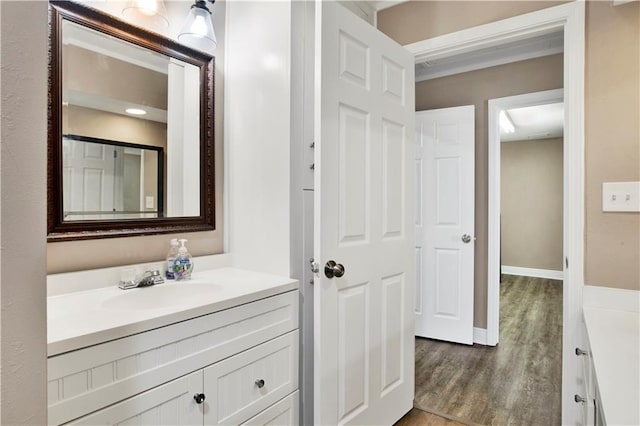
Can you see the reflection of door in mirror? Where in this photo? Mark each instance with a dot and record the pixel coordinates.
(117, 91)
(105, 179)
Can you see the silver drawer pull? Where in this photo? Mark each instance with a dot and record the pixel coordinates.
(260, 383)
(580, 352)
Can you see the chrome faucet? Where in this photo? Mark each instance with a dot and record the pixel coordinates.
(147, 279)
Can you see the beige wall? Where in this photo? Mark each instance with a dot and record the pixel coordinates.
(116, 127)
(612, 128)
(612, 102)
(89, 254)
(419, 20)
(531, 203)
(475, 88)
(23, 202)
(97, 74)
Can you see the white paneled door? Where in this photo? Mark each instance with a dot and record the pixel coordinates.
(92, 180)
(445, 223)
(364, 210)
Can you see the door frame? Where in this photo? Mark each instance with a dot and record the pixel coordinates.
(568, 18)
(493, 235)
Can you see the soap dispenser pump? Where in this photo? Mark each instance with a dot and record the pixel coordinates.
(183, 265)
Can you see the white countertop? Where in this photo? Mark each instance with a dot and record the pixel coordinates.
(614, 338)
(85, 318)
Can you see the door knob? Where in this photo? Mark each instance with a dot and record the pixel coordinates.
(466, 238)
(333, 269)
(199, 398)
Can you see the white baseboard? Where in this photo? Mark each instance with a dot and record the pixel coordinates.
(531, 272)
(480, 335)
(611, 298)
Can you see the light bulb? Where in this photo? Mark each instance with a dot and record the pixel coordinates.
(199, 26)
(197, 31)
(147, 13)
(148, 7)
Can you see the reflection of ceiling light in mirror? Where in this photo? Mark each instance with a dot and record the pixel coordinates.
(197, 31)
(150, 12)
(505, 123)
(135, 111)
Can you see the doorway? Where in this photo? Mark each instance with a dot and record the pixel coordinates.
(531, 249)
(568, 18)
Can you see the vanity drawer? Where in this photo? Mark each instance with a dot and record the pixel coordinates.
(83, 381)
(168, 404)
(242, 386)
(283, 412)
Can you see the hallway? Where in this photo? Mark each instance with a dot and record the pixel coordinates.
(517, 382)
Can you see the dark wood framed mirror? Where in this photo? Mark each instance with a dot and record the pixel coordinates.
(115, 82)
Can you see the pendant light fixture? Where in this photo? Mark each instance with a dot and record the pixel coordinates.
(152, 13)
(197, 30)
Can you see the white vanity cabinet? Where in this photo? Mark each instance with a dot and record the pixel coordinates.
(587, 396)
(610, 358)
(241, 363)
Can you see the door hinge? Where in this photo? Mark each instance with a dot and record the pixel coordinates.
(315, 268)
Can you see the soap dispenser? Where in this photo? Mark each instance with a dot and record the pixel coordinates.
(183, 264)
(171, 258)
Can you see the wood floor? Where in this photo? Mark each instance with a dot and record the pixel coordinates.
(516, 383)
(417, 417)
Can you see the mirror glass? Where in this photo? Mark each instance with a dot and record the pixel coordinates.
(130, 98)
(105, 179)
(131, 129)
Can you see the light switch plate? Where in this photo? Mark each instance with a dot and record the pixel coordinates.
(621, 197)
(148, 201)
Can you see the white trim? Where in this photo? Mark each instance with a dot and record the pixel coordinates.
(570, 18)
(493, 235)
(611, 298)
(385, 4)
(480, 336)
(509, 30)
(532, 272)
(509, 54)
(227, 147)
(621, 2)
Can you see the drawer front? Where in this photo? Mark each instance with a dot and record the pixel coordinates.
(86, 380)
(168, 404)
(282, 413)
(242, 386)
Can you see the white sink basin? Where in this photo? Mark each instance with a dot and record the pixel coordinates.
(160, 296)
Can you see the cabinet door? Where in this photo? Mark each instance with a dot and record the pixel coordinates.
(242, 386)
(282, 413)
(168, 404)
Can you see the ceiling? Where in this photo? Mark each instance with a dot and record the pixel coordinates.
(96, 41)
(535, 122)
(111, 47)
